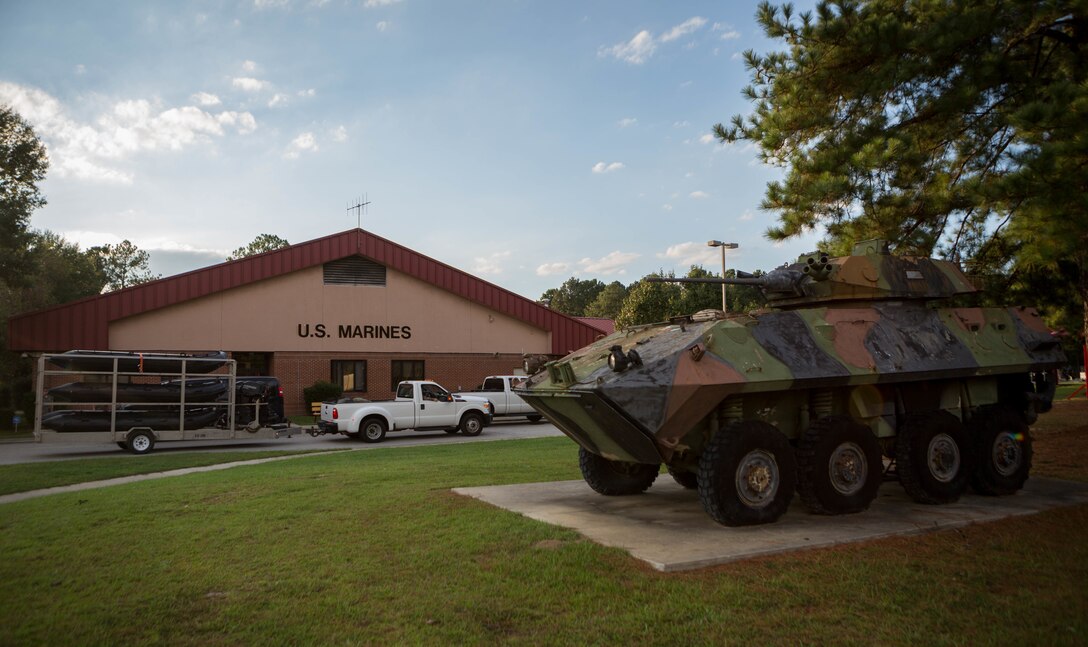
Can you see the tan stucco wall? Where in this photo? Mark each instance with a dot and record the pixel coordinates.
(270, 315)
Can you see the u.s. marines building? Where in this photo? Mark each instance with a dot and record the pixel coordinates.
(353, 308)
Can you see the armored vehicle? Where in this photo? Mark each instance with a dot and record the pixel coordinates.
(854, 373)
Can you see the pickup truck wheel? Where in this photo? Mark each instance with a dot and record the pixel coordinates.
(373, 430)
(535, 417)
(472, 424)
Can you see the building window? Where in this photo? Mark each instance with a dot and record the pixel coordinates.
(252, 363)
(406, 369)
(349, 374)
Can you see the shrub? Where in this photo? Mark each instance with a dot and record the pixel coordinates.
(321, 391)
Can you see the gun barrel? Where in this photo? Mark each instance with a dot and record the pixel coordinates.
(727, 281)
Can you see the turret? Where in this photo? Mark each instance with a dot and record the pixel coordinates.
(870, 273)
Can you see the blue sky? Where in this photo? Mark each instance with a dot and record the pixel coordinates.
(524, 142)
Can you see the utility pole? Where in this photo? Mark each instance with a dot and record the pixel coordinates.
(724, 246)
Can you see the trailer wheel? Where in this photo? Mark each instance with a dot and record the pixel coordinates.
(933, 457)
(472, 424)
(1003, 449)
(686, 480)
(373, 430)
(747, 474)
(140, 441)
(839, 466)
(615, 478)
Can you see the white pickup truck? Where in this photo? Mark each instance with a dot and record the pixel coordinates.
(499, 391)
(419, 405)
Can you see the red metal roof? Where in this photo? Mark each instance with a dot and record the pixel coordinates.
(84, 324)
(603, 324)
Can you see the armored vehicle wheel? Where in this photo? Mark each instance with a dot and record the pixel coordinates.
(747, 474)
(615, 478)
(839, 466)
(933, 456)
(1002, 449)
(472, 424)
(140, 441)
(687, 480)
(373, 430)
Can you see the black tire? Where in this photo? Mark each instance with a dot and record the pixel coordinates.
(687, 480)
(534, 417)
(1002, 451)
(839, 466)
(472, 424)
(140, 441)
(123, 446)
(934, 457)
(615, 478)
(747, 474)
(372, 430)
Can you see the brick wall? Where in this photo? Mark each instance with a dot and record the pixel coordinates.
(455, 371)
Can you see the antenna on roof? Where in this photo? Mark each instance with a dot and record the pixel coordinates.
(360, 208)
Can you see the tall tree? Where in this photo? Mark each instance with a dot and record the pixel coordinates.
(648, 302)
(573, 296)
(123, 265)
(261, 244)
(23, 162)
(609, 301)
(950, 127)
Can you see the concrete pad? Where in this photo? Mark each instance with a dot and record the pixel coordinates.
(667, 528)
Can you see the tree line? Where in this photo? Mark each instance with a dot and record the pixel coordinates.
(643, 302)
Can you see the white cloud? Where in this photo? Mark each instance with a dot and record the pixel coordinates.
(627, 121)
(683, 29)
(267, 4)
(382, 25)
(728, 33)
(248, 84)
(92, 151)
(707, 139)
(549, 269)
(699, 195)
(691, 253)
(681, 124)
(491, 264)
(601, 167)
(205, 99)
(340, 134)
(369, 4)
(302, 143)
(249, 66)
(635, 51)
(278, 99)
(611, 264)
(746, 216)
(81, 69)
(667, 207)
(309, 92)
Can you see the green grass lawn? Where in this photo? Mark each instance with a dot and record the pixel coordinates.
(35, 476)
(372, 548)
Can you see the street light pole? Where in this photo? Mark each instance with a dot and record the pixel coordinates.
(724, 246)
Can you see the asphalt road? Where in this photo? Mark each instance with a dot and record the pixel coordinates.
(30, 452)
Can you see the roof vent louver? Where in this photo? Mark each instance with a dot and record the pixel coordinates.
(354, 270)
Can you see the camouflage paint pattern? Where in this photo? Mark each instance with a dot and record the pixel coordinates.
(859, 335)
